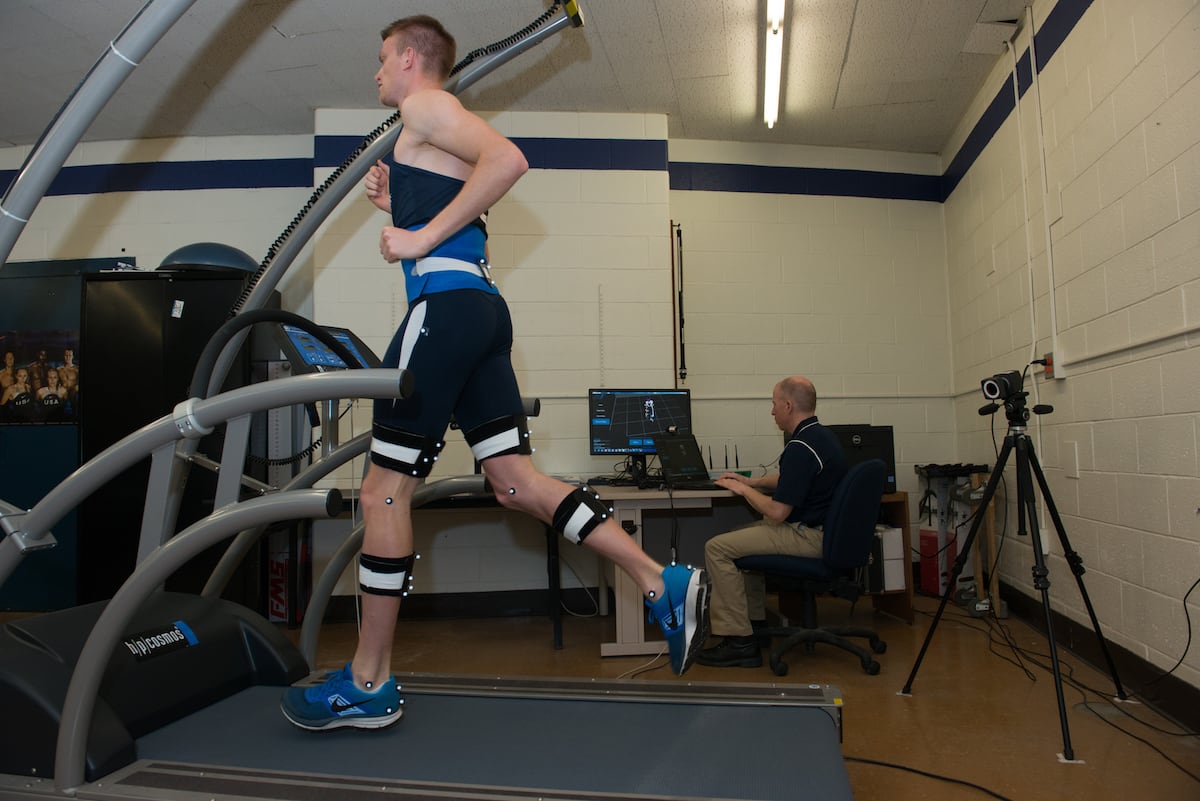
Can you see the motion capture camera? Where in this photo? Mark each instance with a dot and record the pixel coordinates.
(1002, 386)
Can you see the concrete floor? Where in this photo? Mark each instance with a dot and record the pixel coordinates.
(974, 717)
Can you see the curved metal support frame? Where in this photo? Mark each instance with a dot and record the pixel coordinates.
(322, 590)
(76, 115)
(36, 525)
(318, 470)
(241, 545)
(80, 703)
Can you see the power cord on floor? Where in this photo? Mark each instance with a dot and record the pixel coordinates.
(646, 666)
(958, 617)
(1083, 689)
(1067, 671)
(595, 601)
(1034, 656)
(927, 774)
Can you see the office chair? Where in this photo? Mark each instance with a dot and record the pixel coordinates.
(849, 533)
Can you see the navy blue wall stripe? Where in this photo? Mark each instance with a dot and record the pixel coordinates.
(594, 154)
(547, 153)
(1058, 25)
(700, 176)
(177, 175)
(982, 134)
(600, 154)
(331, 151)
(1054, 31)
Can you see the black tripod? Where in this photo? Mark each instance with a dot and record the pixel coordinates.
(1027, 469)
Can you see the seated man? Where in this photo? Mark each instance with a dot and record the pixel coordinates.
(810, 467)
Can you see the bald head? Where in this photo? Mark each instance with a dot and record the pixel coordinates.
(794, 399)
(801, 392)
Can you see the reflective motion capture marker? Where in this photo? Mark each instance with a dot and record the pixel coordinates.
(486, 270)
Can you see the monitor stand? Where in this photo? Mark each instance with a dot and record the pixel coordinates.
(635, 465)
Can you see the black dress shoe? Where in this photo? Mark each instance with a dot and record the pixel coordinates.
(732, 652)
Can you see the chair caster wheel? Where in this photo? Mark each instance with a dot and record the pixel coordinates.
(871, 666)
(879, 647)
(779, 668)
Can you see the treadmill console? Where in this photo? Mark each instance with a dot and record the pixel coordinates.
(308, 354)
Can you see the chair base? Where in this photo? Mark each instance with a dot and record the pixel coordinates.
(833, 635)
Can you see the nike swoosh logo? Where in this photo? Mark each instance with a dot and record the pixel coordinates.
(338, 708)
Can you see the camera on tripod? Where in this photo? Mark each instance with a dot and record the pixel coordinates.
(1006, 390)
(1003, 386)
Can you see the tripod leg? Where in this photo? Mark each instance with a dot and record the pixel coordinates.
(961, 560)
(1076, 563)
(1041, 582)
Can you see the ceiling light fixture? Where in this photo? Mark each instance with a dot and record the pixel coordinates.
(773, 62)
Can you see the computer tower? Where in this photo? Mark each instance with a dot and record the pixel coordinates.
(861, 442)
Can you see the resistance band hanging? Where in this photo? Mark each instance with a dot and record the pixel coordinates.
(678, 260)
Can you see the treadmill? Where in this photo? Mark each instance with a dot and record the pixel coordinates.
(166, 695)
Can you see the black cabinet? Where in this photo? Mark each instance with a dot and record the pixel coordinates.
(136, 337)
(141, 336)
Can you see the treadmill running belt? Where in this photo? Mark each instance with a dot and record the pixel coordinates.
(511, 743)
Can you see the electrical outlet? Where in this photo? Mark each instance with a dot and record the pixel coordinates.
(1070, 454)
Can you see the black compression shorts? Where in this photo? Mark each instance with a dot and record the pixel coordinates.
(458, 346)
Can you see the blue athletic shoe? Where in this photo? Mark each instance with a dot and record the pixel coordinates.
(682, 613)
(338, 702)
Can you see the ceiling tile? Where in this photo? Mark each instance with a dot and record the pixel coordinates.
(235, 66)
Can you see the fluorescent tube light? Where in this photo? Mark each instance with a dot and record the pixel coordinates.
(773, 61)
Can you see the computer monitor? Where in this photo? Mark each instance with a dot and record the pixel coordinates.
(629, 422)
(310, 355)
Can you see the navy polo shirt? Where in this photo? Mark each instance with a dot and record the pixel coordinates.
(810, 468)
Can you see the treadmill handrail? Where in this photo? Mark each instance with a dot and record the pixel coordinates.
(313, 473)
(45, 160)
(70, 754)
(245, 540)
(71, 491)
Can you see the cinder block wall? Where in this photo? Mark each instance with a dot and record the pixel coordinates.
(1103, 269)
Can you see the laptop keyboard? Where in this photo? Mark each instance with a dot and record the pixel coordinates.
(693, 485)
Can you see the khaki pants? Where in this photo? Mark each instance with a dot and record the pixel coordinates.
(737, 597)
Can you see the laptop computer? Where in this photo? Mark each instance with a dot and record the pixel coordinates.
(683, 466)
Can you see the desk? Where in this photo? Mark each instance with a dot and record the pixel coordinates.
(628, 504)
